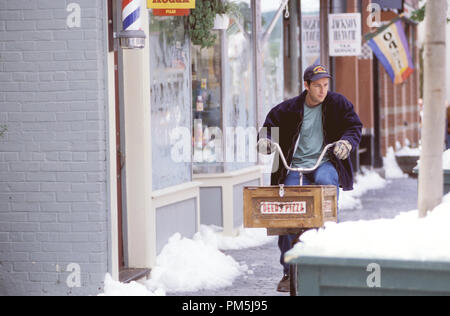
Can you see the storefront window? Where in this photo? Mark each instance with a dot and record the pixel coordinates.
(273, 79)
(170, 99)
(310, 33)
(240, 117)
(224, 125)
(207, 108)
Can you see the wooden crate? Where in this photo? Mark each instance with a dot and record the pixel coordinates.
(300, 207)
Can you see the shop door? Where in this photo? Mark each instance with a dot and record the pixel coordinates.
(119, 155)
(120, 164)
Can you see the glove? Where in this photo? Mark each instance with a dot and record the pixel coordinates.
(342, 149)
(265, 146)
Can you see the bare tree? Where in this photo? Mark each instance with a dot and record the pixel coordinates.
(431, 175)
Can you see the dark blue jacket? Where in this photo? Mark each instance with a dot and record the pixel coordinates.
(340, 121)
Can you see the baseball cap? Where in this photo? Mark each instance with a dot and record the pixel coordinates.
(316, 72)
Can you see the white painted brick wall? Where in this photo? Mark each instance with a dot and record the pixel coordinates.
(53, 208)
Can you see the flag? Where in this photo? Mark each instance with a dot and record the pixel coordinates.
(392, 50)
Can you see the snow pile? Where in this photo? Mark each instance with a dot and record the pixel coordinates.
(405, 237)
(446, 160)
(246, 237)
(391, 167)
(365, 181)
(408, 151)
(115, 288)
(187, 265)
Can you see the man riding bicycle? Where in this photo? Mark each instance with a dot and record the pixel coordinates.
(307, 124)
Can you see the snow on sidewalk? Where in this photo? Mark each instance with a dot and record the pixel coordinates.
(391, 168)
(365, 181)
(189, 265)
(404, 238)
(246, 237)
(115, 288)
(369, 180)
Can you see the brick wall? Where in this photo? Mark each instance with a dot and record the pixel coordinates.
(400, 120)
(53, 209)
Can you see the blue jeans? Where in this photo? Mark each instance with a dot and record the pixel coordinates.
(326, 174)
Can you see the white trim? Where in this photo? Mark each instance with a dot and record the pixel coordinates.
(227, 181)
(368, 131)
(169, 196)
(111, 162)
(175, 194)
(138, 152)
(112, 168)
(207, 178)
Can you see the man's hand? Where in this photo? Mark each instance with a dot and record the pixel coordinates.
(265, 146)
(342, 149)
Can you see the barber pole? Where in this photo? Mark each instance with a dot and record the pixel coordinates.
(132, 36)
(131, 15)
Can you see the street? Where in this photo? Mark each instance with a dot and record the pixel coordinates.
(399, 195)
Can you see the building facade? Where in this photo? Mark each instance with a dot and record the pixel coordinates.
(448, 57)
(91, 182)
(108, 152)
(389, 112)
(54, 205)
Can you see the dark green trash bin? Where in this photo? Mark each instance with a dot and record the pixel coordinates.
(332, 276)
(446, 179)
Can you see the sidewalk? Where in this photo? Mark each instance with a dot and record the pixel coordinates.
(400, 195)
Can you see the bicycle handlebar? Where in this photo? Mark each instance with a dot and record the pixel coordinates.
(300, 170)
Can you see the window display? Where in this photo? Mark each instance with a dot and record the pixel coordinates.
(240, 118)
(222, 123)
(170, 97)
(207, 109)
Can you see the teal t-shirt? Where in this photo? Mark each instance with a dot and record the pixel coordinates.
(311, 142)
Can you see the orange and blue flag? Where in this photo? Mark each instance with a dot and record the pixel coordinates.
(392, 50)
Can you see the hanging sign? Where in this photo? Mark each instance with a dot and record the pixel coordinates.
(310, 38)
(345, 34)
(171, 12)
(171, 4)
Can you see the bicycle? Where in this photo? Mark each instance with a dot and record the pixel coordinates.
(284, 210)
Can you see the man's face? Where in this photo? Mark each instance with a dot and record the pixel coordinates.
(317, 90)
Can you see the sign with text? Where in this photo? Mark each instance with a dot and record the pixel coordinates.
(171, 12)
(283, 207)
(171, 4)
(345, 34)
(310, 39)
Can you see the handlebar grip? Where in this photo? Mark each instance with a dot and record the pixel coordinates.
(265, 146)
